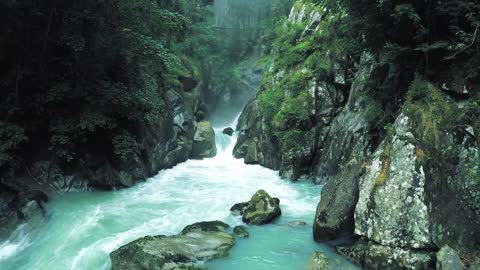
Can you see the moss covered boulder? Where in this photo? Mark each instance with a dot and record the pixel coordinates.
(241, 231)
(204, 141)
(261, 209)
(197, 242)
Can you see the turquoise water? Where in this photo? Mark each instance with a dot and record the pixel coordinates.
(83, 228)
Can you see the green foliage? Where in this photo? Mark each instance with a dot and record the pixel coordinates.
(88, 69)
(12, 136)
(374, 113)
(296, 108)
(124, 145)
(432, 113)
(289, 140)
(269, 102)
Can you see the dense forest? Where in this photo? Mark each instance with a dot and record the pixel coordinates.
(376, 101)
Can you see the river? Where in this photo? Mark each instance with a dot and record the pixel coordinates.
(82, 228)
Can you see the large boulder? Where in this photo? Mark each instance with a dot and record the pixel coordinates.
(197, 242)
(261, 209)
(392, 208)
(204, 141)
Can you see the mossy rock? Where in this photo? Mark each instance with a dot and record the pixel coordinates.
(204, 141)
(205, 226)
(241, 231)
(197, 242)
(262, 209)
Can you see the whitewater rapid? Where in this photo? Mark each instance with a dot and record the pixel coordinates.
(82, 228)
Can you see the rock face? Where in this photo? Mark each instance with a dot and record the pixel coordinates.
(204, 141)
(197, 242)
(392, 208)
(261, 209)
(254, 143)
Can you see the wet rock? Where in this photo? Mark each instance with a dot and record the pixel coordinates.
(200, 241)
(448, 259)
(239, 208)
(204, 141)
(205, 226)
(20, 207)
(374, 256)
(32, 213)
(241, 231)
(318, 261)
(297, 224)
(228, 131)
(261, 209)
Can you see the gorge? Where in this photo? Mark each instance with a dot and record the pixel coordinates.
(361, 118)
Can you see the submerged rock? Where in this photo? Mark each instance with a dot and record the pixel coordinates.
(448, 259)
(318, 261)
(241, 231)
(228, 131)
(204, 141)
(261, 209)
(297, 224)
(197, 242)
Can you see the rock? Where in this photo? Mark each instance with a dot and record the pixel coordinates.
(318, 261)
(335, 212)
(448, 259)
(371, 255)
(204, 141)
(239, 208)
(199, 241)
(261, 209)
(205, 226)
(228, 131)
(33, 213)
(254, 143)
(200, 116)
(392, 208)
(297, 224)
(241, 231)
(188, 83)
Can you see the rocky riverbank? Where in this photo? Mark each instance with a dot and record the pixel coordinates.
(400, 172)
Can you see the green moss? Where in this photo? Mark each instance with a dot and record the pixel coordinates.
(269, 101)
(289, 140)
(432, 112)
(296, 108)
